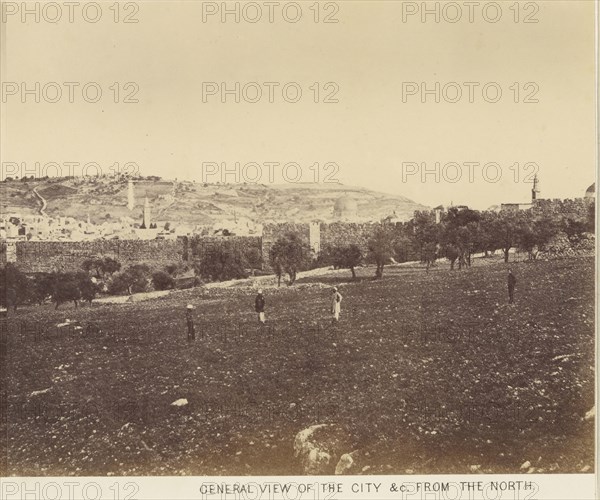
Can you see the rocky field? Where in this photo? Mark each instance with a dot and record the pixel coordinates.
(426, 372)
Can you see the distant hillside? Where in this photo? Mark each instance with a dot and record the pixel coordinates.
(195, 203)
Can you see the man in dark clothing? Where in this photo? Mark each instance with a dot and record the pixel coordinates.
(259, 306)
(512, 281)
(191, 333)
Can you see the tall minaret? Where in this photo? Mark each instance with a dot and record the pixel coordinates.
(535, 191)
(146, 219)
(130, 195)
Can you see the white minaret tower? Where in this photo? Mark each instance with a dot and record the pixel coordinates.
(146, 220)
(535, 191)
(130, 195)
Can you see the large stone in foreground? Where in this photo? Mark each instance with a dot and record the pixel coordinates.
(319, 447)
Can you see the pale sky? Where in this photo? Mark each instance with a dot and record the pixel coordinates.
(370, 55)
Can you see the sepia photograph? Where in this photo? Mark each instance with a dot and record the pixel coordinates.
(298, 250)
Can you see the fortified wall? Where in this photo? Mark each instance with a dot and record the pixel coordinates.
(196, 247)
(344, 234)
(47, 256)
(578, 208)
(64, 256)
(272, 232)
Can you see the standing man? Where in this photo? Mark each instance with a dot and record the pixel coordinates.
(259, 306)
(336, 304)
(191, 334)
(512, 281)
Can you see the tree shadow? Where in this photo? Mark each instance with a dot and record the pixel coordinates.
(333, 280)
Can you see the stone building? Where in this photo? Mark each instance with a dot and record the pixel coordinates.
(345, 209)
(535, 197)
(590, 193)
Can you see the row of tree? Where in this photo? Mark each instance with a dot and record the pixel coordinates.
(98, 275)
(462, 232)
(456, 236)
(18, 288)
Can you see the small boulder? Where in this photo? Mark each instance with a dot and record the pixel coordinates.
(319, 447)
(526, 465)
(180, 402)
(344, 464)
(43, 391)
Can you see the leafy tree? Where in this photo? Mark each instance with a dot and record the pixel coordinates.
(505, 228)
(429, 254)
(133, 279)
(277, 265)
(254, 258)
(591, 217)
(172, 269)
(102, 266)
(42, 287)
(534, 233)
(487, 240)
(426, 233)
(575, 227)
(381, 248)
(14, 286)
(461, 232)
(65, 289)
(289, 254)
(347, 257)
(87, 287)
(404, 248)
(224, 262)
(162, 280)
(452, 253)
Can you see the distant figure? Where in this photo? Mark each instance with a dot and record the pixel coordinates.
(512, 281)
(259, 306)
(191, 333)
(336, 304)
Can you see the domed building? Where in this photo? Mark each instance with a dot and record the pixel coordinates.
(345, 208)
(590, 193)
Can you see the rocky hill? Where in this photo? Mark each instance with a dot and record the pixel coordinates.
(195, 203)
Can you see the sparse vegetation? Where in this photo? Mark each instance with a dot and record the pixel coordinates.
(432, 372)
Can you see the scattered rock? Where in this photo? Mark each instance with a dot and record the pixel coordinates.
(587, 468)
(345, 463)
(319, 446)
(43, 391)
(526, 465)
(180, 402)
(590, 415)
(313, 459)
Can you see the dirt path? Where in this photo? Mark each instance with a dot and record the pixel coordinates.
(43, 201)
